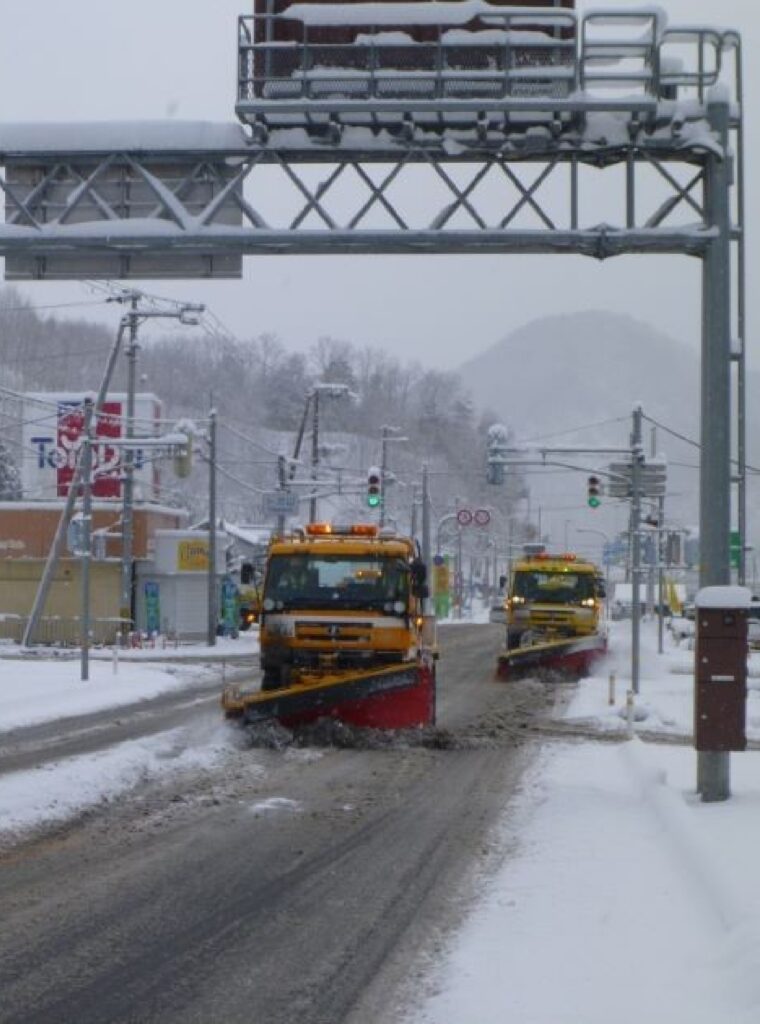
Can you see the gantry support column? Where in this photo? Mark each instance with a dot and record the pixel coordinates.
(713, 772)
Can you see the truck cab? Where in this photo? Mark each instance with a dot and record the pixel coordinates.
(338, 598)
(553, 596)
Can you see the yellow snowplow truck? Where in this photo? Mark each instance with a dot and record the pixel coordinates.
(342, 631)
(336, 598)
(553, 596)
(554, 618)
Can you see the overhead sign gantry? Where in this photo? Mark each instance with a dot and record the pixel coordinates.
(428, 128)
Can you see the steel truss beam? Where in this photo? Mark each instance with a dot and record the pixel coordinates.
(481, 200)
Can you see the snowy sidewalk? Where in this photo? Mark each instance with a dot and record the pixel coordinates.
(626, 899)
(40, 686)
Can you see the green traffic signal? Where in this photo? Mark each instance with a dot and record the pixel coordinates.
(374, 486)
(594, 492)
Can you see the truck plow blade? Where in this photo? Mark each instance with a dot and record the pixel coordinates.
(392, 698)
(570, 658)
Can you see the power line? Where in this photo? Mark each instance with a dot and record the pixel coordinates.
(60, 355)
(29, 308)
(688, 440)
(576, 430)
(250, 440)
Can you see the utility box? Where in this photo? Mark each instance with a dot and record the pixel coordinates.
(720, 669)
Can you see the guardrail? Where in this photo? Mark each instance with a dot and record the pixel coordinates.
(60, 631)
(512, 53)
(505, 56)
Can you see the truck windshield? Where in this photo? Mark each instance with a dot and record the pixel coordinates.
(554, 587)
(311, 581)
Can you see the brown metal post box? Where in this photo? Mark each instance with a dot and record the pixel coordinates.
(720, 671)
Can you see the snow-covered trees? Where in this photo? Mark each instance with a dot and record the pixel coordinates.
(258, 387)
(10, 479)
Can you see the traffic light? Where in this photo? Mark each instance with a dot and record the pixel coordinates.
(374, 496)
(183, 458)
(594, 492)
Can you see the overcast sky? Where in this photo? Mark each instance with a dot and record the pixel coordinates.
(98, 59)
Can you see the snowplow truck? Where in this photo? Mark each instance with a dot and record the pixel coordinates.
(338, 599)
(342, 632)
(553, 596)
(554, 618)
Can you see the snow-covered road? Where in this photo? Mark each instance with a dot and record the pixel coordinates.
(623, 898)
(619, 896)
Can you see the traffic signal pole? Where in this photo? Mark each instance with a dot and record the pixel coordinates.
(637, 457)
(383, 471)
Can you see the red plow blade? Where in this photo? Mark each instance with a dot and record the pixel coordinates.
(393, 698)
(570, 658)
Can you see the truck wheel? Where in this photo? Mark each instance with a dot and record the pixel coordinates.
(514, 636)
(271, 680)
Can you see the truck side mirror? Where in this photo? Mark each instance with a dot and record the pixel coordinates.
(419, 578)
(502, 582)
(246, 573)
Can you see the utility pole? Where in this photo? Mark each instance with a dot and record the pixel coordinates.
(314, 457)
(426, 550)
(282, 486)
(388, 436)
(128, 457)
(660, 559)
(637, 457)
(86, 555)
(187, 314)
(212, 595)
(55, 548)
(413, 514)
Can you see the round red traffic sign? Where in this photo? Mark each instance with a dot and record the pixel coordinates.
(464, 517)
(482, 517)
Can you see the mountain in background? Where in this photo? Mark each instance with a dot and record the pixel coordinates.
(560, 372)
(573, 380)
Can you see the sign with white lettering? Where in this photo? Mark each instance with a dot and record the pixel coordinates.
(52, 438)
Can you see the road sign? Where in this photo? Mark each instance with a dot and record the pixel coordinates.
(464, 517)
(482, 517)
(441, 579)
(280, 503)
(653, 476)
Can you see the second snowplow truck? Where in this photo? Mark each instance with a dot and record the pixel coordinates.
(553, 596)
(554, 616)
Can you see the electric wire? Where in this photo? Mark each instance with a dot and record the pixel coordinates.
(688, 440)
